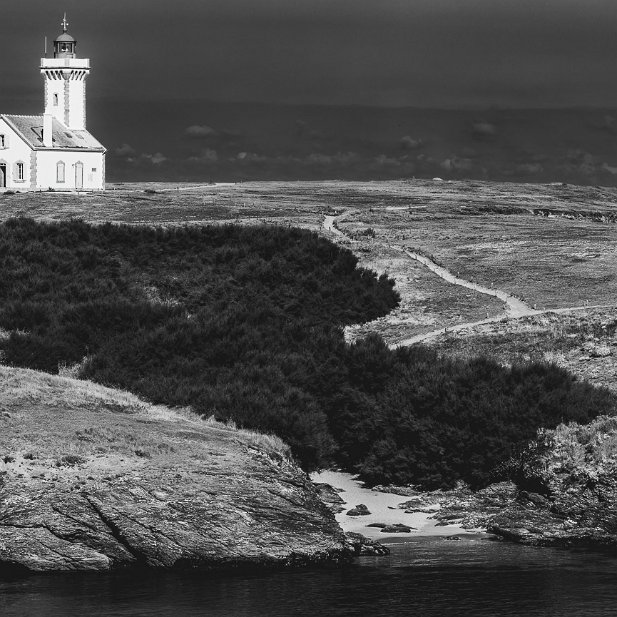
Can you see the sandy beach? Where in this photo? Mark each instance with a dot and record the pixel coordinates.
(383, 508)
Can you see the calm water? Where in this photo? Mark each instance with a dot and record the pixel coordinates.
(431, 577)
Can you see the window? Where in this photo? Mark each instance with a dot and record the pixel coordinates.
(60, 171)
(94, 170)
(2, 141)
(19, 172)
(55, 100)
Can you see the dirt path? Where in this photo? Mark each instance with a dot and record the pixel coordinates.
(515, 308)
(328, 225)
(419, 338)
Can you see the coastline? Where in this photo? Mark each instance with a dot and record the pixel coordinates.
(384, 508)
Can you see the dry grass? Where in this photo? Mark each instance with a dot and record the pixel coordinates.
(58, 429)
(583, 342)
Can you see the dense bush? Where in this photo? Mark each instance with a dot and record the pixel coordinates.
(234, 321)
(245, 323)
(432, 420)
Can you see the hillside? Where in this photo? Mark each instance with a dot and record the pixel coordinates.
(95, 479)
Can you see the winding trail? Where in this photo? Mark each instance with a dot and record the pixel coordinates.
(419, 338)
(515, 308)
(328, 225)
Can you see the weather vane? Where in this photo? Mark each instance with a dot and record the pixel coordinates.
(65, 24)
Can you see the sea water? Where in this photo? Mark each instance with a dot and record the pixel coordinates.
(423, 577)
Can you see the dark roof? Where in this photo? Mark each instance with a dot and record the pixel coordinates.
(65, 38)
(31, 129)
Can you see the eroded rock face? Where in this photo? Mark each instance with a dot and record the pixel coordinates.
(102, 484)
(565, 491)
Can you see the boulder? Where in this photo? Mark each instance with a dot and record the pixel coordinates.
(397, 528)
(359, 510)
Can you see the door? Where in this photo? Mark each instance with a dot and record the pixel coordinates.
(2, 175)
(79, 176)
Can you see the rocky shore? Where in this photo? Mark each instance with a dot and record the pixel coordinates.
(92, 479)
(560, 491)
(563, 491)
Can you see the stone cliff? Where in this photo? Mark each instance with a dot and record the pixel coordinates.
(96, 479)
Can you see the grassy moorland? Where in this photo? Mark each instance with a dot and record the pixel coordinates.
(552, 245)
(245, 323)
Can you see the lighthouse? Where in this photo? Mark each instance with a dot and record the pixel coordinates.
(54, 151)
(65, 81)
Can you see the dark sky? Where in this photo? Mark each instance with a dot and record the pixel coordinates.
(432, 53)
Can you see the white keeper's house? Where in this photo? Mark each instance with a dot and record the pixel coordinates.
(54, 150)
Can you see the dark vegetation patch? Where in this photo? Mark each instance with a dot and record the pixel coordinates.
(476, 209)
(244, 323)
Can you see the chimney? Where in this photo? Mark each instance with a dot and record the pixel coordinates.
(47, 130)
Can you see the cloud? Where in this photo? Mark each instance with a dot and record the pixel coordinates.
(608, 124)
(304, 130)
(457, 164)
(251, 157)
(611, 170)
(338, 159)
(529, 169)
(408, 143)
(200, 131)
(154, 159)
(129, 154)
(483, 130)
(207, 155)
(125, 151)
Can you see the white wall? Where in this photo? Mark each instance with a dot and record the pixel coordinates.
(15, 151)
(66, 78)
(46, 165)
(54, 85)
(77, 103)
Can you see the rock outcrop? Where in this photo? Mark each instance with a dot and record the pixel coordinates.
(365, 547)
(359, 510)
(564, 491)
(94, 479)
(330, 496)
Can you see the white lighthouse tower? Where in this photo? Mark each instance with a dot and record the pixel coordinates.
(65, 82)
